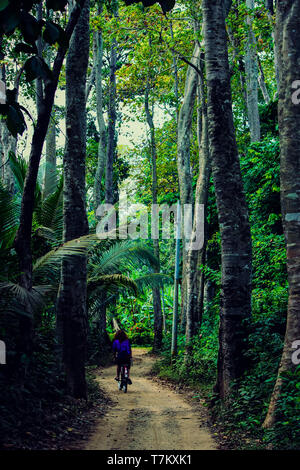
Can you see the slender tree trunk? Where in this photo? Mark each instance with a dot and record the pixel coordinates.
(183, 157)
(196, 257)
(262, 83)
(156, 291)
(39, 89)
(231, 204)
(50, 167)
(175, 73)
(8, 144)
(98, 60)
(50, 175)
(72, 297)
(110, 196)
(236, 46)
(270, 12)
(288, 45)
(252, 78)
(184, 130)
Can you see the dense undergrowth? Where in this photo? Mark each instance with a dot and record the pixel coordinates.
(241, 419)
(36, 411)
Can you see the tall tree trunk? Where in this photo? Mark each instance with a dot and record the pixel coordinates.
(184, 130)
(252, 78)
(50, 175)
(98, 60)
(175, 73)
(8, 144)
(183, 156)
(231, 204)
(39, 89)
(196, 257)
(288, 45)
(72, 297)
(156, 291)
(110, 193)
(262, 83)
(50, 167)
(270, 11)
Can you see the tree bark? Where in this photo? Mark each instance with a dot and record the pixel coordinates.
(110, 193)
(270, 11)
(288, 45)
(39, 89)
(262, 83)
(155, 291)
(231, 204)
(8, 144)
(72, 297)
(183, 156)
(196, 257)
(98, 60)
(50, 167)
(251, 69)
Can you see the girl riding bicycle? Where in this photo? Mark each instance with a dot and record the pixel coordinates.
(122, 352)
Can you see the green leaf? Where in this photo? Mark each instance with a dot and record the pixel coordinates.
(167, 5)
(53, 33)
(9, 20)
(3, 4)
(11, 96)
(15, 120)
(36, 67)
(30, 27)
(56, 5)
(3, 109)
(22, 47)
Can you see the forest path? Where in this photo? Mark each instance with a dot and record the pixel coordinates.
(147, 417)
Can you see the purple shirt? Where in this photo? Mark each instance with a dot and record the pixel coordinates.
(123, 348)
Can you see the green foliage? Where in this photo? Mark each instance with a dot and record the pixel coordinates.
(286, 432)
(243, 415)
(141, 334)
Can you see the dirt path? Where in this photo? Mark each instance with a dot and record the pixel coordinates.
(148, 416)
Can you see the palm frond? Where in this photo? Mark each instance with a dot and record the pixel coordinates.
(111, 283)
(122, 255)
(29, 301)
(9, 217)
(50, 263)
(49, 214)
(19, 168)
(152, 280)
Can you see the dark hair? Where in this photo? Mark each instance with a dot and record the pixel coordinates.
(121, 336)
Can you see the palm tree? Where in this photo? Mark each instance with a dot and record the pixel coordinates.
(110, 262)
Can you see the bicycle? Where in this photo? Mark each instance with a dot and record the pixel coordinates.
(123, 382)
